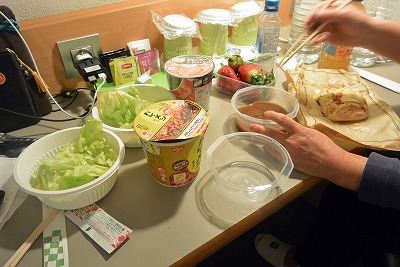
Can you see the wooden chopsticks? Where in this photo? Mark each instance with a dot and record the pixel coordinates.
(286, 58)
(13, 261)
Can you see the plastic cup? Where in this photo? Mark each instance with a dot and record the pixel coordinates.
(245, 33)
(181, 42)
(177, 47)
(214, 31)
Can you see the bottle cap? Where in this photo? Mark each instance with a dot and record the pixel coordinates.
(271, 5)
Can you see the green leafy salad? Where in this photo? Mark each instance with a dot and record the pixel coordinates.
(119, 108)
(76, 163)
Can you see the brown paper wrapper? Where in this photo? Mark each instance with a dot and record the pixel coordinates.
(380, 131)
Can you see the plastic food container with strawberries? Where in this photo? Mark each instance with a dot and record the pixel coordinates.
(229, 86)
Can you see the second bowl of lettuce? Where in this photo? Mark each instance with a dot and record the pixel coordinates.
(118, 108)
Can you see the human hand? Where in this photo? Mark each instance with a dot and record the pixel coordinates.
(314, 153)
(347, 26)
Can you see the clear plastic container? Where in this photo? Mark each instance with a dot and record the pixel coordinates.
(245, 14)
(276, 99)
(214, 24)
(248, 166)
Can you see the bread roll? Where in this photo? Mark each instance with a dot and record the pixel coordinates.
(343, 104)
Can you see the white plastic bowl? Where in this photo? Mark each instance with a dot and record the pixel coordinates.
(247, 166)
(29, 160)
(149, 92)
(250, 95)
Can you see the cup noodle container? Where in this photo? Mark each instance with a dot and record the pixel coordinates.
(214, 24)
(181, 43)
(190, 78)
(245, 14)
(172, 134)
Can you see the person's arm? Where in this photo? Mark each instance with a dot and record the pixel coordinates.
(380, 182)
(350, 26)
(314, 153)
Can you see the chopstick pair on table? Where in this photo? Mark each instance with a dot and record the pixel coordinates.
(13, 261)
(289, 54)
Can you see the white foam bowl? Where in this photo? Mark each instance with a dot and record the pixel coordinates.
(149, 92)
(46, 147)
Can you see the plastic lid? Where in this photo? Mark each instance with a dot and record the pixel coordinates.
(214, 16)
(171, 120)
(245, 9)
(179, 23)
(189, 66)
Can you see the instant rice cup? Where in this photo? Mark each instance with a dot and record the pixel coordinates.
(172, 133)
(190, 78)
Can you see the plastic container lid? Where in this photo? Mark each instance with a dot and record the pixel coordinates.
(179, 23)
(189, 66)
(214, 16)
(245, 9)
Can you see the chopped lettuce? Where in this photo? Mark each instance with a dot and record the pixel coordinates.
(118, 108)
(76, 163)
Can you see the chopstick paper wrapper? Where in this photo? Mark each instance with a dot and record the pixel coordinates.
(55, 246)
(100, 226)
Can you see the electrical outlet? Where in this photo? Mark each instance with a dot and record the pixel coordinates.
(69, 48)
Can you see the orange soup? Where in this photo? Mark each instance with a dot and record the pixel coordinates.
(257, 109)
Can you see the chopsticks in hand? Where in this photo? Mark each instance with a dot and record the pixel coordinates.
(13, 261)
(287, 57)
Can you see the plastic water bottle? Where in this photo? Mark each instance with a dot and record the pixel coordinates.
(362, 57)
(337, 56)
(269, 27)
(309, 53)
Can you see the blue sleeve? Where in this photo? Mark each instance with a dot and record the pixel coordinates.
(380, 182)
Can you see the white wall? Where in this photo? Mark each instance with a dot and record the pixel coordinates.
(28, 9)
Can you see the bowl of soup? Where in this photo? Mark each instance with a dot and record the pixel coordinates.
(250, 104)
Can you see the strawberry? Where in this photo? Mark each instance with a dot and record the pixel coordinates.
(228, 72)
(227, 82)
(235, 62)
(251, 73)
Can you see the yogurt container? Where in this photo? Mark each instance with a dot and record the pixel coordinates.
(190, 78)
(245, 15)
(182, 44)
(214, 24)
(172, 134)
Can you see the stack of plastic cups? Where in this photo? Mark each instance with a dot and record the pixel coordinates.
(309, 53)
(178, 31)
(214, 31)
(244, 14)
